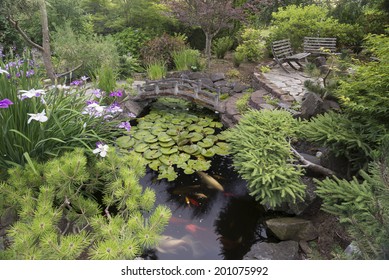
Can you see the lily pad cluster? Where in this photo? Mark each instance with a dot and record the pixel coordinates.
(172, 137)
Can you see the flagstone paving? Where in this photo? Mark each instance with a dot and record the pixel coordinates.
(290, 83)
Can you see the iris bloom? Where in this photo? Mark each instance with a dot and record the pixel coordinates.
(101, 149)
(3, 72)
(31, 93)
(125, 125)
(5, 103)
(40, 117)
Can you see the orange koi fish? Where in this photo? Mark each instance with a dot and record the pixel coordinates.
(194, 228)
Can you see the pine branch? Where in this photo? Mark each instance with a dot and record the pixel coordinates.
(312, 166)
(15, 24)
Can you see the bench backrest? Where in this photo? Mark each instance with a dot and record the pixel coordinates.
(281, 48)
(315, 45)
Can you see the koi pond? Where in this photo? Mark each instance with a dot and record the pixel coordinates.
(213, 217)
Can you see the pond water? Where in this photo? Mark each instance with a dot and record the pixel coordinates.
(207, 223)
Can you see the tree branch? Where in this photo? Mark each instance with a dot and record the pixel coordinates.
(24, 35)
(68, 72)
(312, 166)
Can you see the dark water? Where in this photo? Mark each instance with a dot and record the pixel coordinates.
(207, 223)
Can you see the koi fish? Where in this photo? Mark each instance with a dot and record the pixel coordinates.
(185, 190)
(194, 228)
(209, 181)
(178, 220)
(190, 201)
(228, 194)
(200, 195)
(171, 245)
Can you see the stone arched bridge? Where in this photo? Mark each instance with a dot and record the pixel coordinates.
(194, 91)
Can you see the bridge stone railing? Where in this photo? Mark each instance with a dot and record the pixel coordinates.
(191, 90)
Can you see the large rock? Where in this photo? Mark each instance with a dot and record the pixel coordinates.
(291, 228)
(134, 107)
(238, 87)
(286, 250)
(311, 106)
(217, 77)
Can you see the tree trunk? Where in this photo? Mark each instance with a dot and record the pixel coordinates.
(208, 44)
(46, 53)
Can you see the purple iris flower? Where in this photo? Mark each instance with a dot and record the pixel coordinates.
(118, 93)
(4, 104)
(125, 125)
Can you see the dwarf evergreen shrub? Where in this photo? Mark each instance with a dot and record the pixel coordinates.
(261, 153)
(77, 206)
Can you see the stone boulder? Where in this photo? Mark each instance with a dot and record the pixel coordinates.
(311, 106)
(217, 77)
(286, 250)
(292, 228)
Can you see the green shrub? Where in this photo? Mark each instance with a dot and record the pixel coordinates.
(242, 103)
(93, 51)
(156, 71)
(238, 58)
(362, 206)
(130, 41)
(261, 153)
(296, 22)
(365, 92)
(221, 46)
(187, 59)
(161, 49)
(60, 218)
(129, 65)
(253, 44)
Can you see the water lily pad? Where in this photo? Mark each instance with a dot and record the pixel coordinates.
(167, 173)
(139, 135)
(190, 149)
(172, 132)
(206, 143)
(154, 146)
(150, 139)
(199, 165)
(145, 125)
(141, 147)
(157, 130)
(163, 137)
(195, 127)
(152, 154)
(208, 130)
(194, 136)
(205, 122)
(223, 145)
(223, 136)
(208, 152)
(214, 138)
(167, 144)
(182, 142)
(216, 124)
(155, 164)
(125, 142)
(169, 151)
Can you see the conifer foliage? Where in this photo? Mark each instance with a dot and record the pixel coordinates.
(262, 156)
(61, 215)
(362, 205)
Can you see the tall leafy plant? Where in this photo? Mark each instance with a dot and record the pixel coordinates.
(42, 122)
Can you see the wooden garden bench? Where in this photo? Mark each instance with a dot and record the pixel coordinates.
(282, 52)
(320, 46)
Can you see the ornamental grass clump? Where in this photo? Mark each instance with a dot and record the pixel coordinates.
(260, 145)
(187, 59)
(59, 216)
(41, 122)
